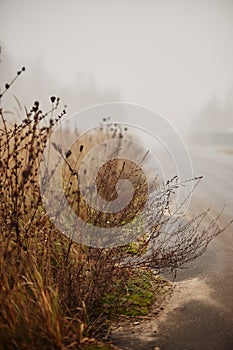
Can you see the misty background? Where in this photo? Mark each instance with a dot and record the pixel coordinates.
(172, 56)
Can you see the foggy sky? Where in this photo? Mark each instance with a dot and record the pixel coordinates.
(172, 56)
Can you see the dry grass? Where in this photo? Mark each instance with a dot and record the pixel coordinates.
(51, 286)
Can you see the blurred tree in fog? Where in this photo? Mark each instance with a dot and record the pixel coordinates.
(37, 83)
(215, 120)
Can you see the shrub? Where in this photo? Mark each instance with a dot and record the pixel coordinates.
(55, 292)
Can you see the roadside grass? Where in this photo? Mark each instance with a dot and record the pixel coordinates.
(59, 294)
(52, 287)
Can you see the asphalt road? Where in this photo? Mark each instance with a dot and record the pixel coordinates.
(207, 323)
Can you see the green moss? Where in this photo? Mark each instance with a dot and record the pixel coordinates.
(137, 248)
(133, 248)
(134, 297)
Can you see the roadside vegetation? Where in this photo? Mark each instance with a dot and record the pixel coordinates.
(56, 293)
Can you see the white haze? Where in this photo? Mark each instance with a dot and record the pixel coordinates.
(172, 56)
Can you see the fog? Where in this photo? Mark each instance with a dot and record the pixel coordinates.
(172, 56)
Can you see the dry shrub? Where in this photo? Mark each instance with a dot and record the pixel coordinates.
(51, 286)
